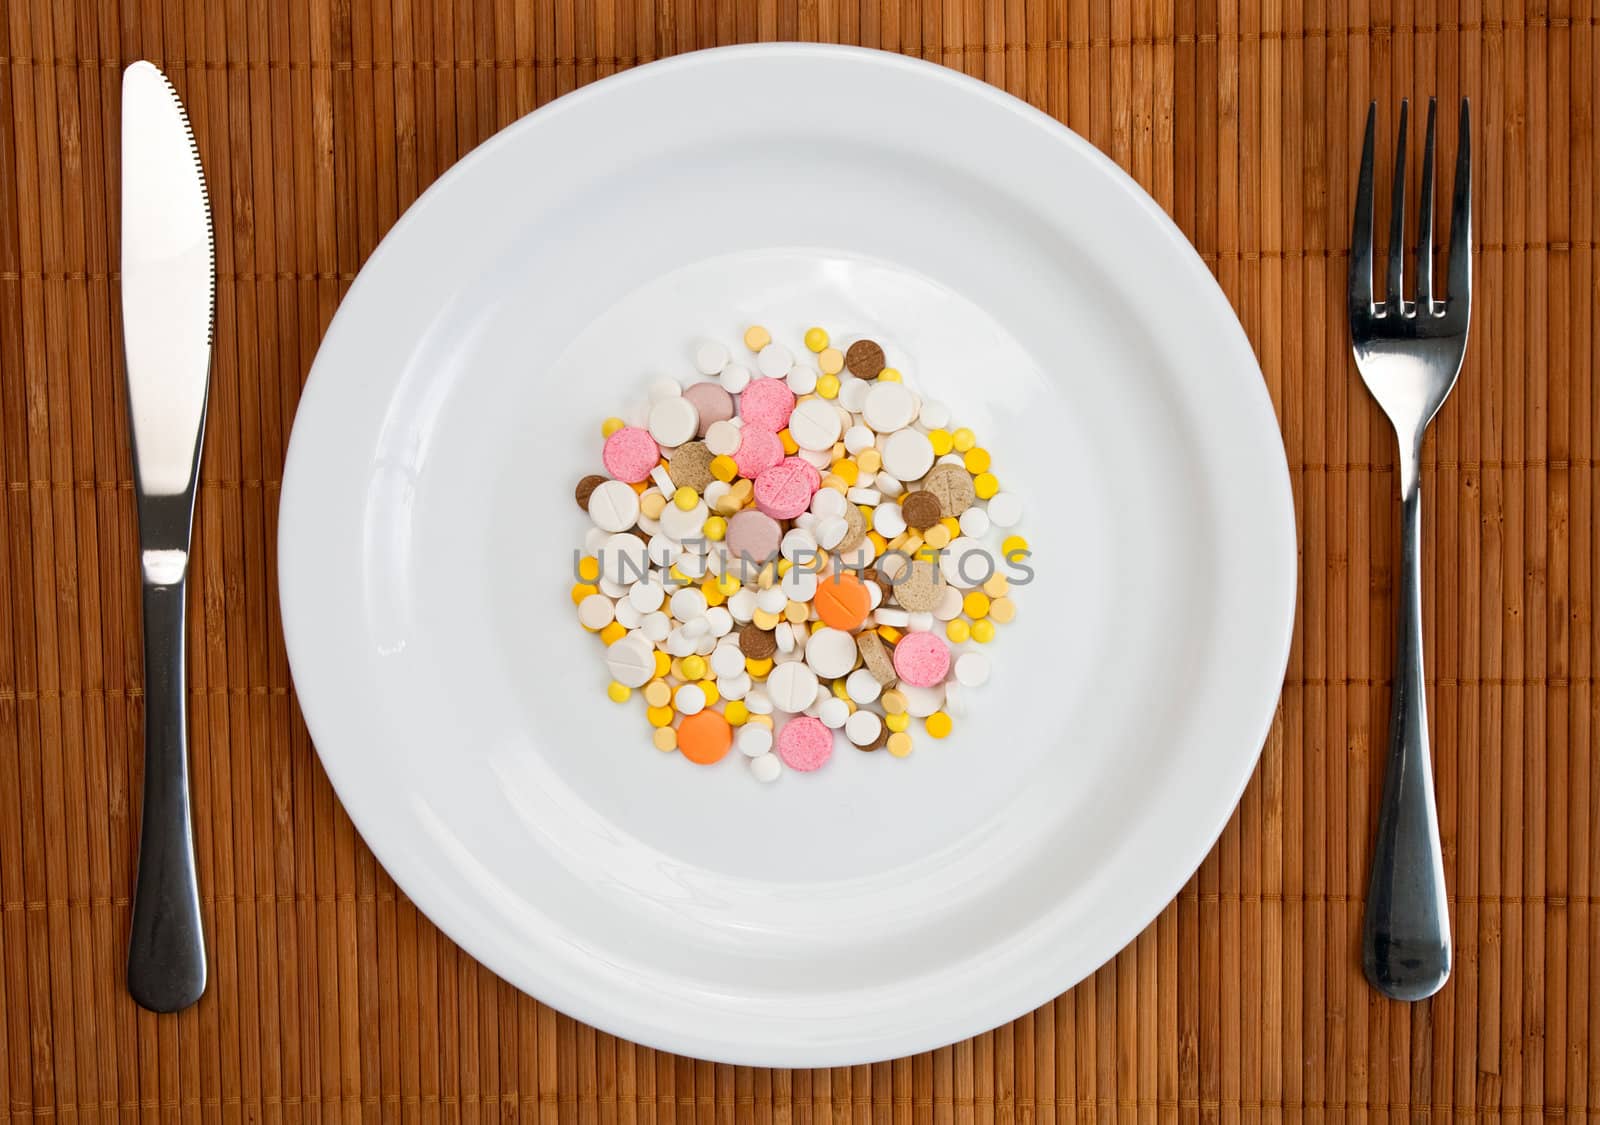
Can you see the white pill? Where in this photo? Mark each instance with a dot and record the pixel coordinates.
(858, 557)
(1004, 509)
(614, 506)
(772, 599)
(955, 701)
(623, 559)
(662, 480)
(807, 520)
(688, 604)
(648, 525)
(735, 378)
(647, 596)
(975, 522)
(690, 699)
(817, 458)
(631, 661)
(766, 769)
(867, 496)
(783, 635)
(862, 686)
(664, 388)
(710, 357)
(774, 360)
(613, 590)
(781, 657)
(743, 605)
(907, 454)
(627, 616)
(734, 687)
(934, 414)
(853, 394)
(898, 618)
(596, 612)
(758, 701)
(831, 531)
(706, 645)
(874, 595)
(889, 485)
(887, 519)
(663, 550)
(656, 626)
(679, 643)
(858, 439)
(949, 607)
(972, 669)
(952, 459)
(692, 565)
(829, 502)
(889, 407)
(831, 652)
(834, 712)
(814, 425)
(753, 740)
(697, 628)
(792, 687)
(800, 584)
(720, 621)
(722, 439)
(673, 421)
(682, 525)
(727, 661)
(921, 622)
(594, 538)
(715, 491)
(922, 701)
(863, 727)
(966, 563)
(798, 544)
(802, 379)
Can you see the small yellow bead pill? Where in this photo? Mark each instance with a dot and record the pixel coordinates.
(589, 568)
(694, 667)
(828, 387)
(869, 461)
(657, 693)
(997, 586)
(714, 528)
(938, 724)
(665, 739)
(937, 537)
(976, 460)
(619, 693)
(728, 584)
(831, 361)
(889, 375)
(679, 576)
(736, 713)
(790, 446)
(663, 664)
(652, 504)
(1013, 544)
(756, 337)
(976, 604)
(724, 468)
(712, 694)
(941, 442)
(983, 631)
(659, 716)
(984, 486)
(894, 702)
(847, 471)
(963, 439)
(613, 633)
(686, 498)
(816, 339)
(897, 723)
(756, 667)
(583, 590)
(1003, 610)
(899, 744)
(840, 690)
(958, 631)
(611, 426)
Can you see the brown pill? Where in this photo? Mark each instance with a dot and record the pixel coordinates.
(864, 359)
(922, 509)
(690, 466)
(855, 530)
(881, 741)
(586, 488)
(756, 642)
(921, 589)
(875, 655)
(952, 485)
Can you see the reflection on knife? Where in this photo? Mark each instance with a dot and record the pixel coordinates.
(168, 298)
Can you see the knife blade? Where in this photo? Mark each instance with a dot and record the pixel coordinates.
(168, 307)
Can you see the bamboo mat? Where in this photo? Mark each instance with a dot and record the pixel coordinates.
(333, 999)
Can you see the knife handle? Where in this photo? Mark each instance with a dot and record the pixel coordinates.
(166, 951)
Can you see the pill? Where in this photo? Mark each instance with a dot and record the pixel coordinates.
(627, 616)
(631, 661)
(876, 656)
(972, 669)
(952, 484)
(975, 523)
(663, 550)
(966, 563)
(869, 497)
(817, 458)
(759, 449)
(736, 688)
(758, 701)
(1004, 509)
(663, 388)
(662, 480)
(710, 357)
(833, 711)
(889, 407)
(858, 438)
(756, 337)
(921, 509)
(783, 636)
(907, 455)
(690, 467)
(684, 524)
(772, 600)
(887, 519)
(842, 601)
(623, 558)
(742, 604)
(586, 488)
(727, 661)
(899, 618)
(814, 424)
(774, 361)
(831, 652)
(922, 701)
(948, 607)
(862, 686)
(829, 502)
(798, 544)
(863, 728)
(596, 612)
(688, 604)
(766, 769)
(704, 737)
(865, 359)
(831, 531)
(712, 404)
(630, 453)
(785, 490)
(673, 421)
(656, 626)
(722, 438)
(804, 743)
(955, 700)
(689, 699)
(899, 744)
(938, 724)
(614, 506)
(736, 377)
(791, 687)
(802, 378)
(755, 642)
(1003, 610)
(921, 659)
(934, 415)
(888, 484)
(920, 588)
(613, 589)
(800, 584)
(753, 740)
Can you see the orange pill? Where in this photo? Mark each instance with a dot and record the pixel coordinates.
(842, 601)
(704, 737)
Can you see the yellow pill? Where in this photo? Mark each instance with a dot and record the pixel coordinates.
(613, 633)
(952, 525)
(736, 713)
(840, 690)
(938, 724)
(756, 337)
(890, 634)
(679, 576)
(869, 461)
(835, 482)
(713, 595)
(756, 667)
(963, 440)
(589, 569)
(797, 612)
(828, 386)
(640, 487)
(728, 584)
(619, 693)
(611, 426)
(663, 664)
(767, 579)
(879, 543)
(984, 486)
(894, 702)
(659, 716)
(897, 722)
(724, 468)
(976, 460)
(816, 339)
(764, 620)
(657, 693)
(665, 739)
(983, 631)
(784, 566)
(712, 694)
(958, 631)
(652, 504)
(790, 446)
(714, 528)
(889, 375)
(937, 537)
(831, 361)
(1003, 610)
(847, 471)
(866, 515)
(1013, 544)
(694, 667)
(728, 505)
(760, 720)
(976, 604)
(940, 439)
(583, 590)
(686, 498)
(996, 587)
(677, 669)
(899, 744)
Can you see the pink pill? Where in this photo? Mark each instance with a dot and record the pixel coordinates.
(921, 659)
(785, 490)
(767, 403)
(805, 744)
(630, 454)
(753, 535)
(713, 403)
(758, 451)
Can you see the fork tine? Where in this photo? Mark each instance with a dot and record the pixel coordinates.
(1460, 269)
(1425, 223)
(1395, 296)
(1361, 229)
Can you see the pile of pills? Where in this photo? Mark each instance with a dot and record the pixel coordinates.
(794, 549)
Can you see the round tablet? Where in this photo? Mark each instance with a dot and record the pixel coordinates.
(907, 454)
(921, 659)
(680, 524)
(972, 669)
(630, 454)
(759, 450)
(752, 535)
(829, 502)
(853, 394)
(623, 559)
(814, 424)
(805, 744)
(614, 506)
(736, 377)
(865, 359)
(766, 768)
(966, 563)
(690, 699)
(800, 584)
(774, 360)
(753, 740)
(842, 602)
(802, 378)
(921, 509)
(834, 712)
(919, 589)
(1005, 510)
(664, 387)
(862, 728)
(690, 466)
(975, 522)
(631, 661)
(722, 438)
(831, 653)
(596, 611)
(858, 438)
(766, 404)
(952, 484)
(673, 421)
(705, 736)
(785, 490)
(862, 686)
(889, 407)
(831, 531)
(727, 661)
(710, 357)
(934, 415)
(922, 701)
(586, 488)
(792, 687)
(687, 604)
(712, 403)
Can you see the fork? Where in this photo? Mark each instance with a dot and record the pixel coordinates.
(1409, 354)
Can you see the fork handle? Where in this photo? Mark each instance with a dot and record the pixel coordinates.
(1406, 937)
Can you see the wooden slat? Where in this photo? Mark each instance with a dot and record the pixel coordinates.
(333, 999)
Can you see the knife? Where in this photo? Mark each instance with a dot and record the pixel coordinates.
(168, 301)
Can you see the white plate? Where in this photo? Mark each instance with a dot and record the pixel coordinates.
(879, 906)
